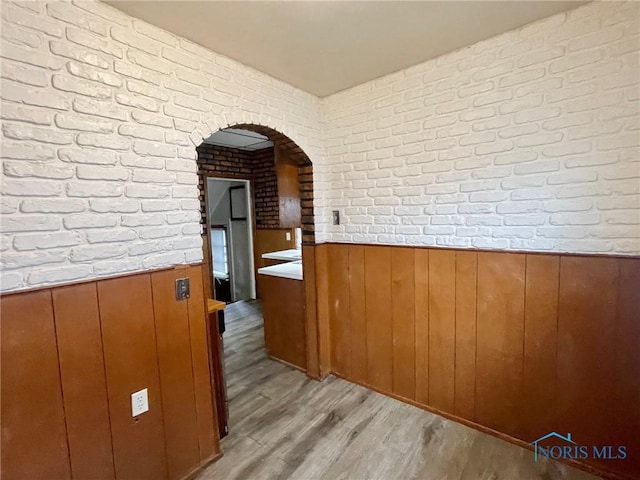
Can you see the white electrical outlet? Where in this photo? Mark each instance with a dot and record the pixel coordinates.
(139, 402)
(287, 236)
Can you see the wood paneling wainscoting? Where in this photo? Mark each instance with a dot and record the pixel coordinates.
(71, 358)
(519, 344)
(285, 333)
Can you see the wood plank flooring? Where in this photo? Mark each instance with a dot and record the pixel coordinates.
(284, 425)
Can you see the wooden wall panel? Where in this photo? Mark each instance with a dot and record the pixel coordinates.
(216, 367)
(310, 309)
(34, 438)
(338, 257)
(626, 394)
(421, 282)
(403, 321)
(500, 334)
(378, 311)
(72, 355)
(176, 373)
(540, 345)
(84, 384)
(272, 338)
(288, 188)
(287, 318)
(528, 307)
(208, 439)
(207, 269)
(442, 321)
(586, 342)
(296, 335)
(357, 313)
(132, 364)
(322, 303)
(465, 348)
(522, 344)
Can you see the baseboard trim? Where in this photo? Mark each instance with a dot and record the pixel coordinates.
(284, 362)
(196, 471)
(481, 428)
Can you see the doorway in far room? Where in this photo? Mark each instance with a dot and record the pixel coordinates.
(231, 238)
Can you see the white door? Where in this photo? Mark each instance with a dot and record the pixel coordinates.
(242, 274)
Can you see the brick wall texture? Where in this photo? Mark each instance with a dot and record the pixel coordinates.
(525, 141)
(101, 117)
(265, 183)
(305, 177)
(258, 166)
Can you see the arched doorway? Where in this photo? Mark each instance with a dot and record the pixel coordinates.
(284, 143)
(277, 176)
(255, 167)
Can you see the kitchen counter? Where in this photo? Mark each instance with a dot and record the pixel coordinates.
(291, 270)
(282, 294)
(286, 255)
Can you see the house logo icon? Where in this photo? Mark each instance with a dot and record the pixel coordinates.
(571, 450)
(535, 443)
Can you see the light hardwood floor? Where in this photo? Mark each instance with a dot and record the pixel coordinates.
(284, 425)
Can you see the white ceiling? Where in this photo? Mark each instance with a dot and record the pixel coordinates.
(323, 47)
(238, 138)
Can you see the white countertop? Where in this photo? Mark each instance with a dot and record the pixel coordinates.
(287, 255)
(292, 270)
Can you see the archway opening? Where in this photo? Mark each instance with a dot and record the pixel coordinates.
(256, 196)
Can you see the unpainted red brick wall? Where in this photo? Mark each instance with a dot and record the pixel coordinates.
(258, 166)
(305, 175)
(305, 179)
(265, 182)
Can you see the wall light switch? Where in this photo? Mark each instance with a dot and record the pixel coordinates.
(182, 289)
(335, 215)
(287, 236)
(139, 402)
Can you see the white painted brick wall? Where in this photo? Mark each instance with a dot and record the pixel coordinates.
(101, 114)
(526, 141)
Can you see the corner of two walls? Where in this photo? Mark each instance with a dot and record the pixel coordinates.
(490, 237)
